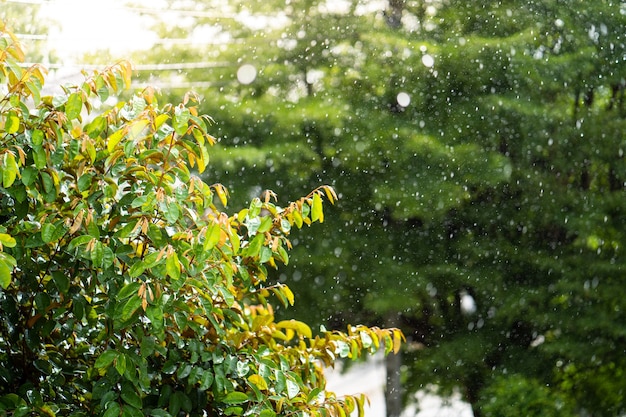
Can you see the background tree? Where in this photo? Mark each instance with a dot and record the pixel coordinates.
(478, 150)
(124, 290)
(30, 26)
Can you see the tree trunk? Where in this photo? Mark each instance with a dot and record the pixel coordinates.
(393, 386)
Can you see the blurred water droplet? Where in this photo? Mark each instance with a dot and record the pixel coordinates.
(246, 74)
(428, 61)
(403, 99)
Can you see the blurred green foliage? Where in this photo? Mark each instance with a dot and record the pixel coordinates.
(503, 179)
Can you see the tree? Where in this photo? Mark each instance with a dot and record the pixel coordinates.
(31, 26)
(478, 150)
(124, 290)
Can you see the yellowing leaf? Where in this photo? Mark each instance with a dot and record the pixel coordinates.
(7, 240)
(12, 123)
(301, 328)
(172, 266)
(317, 212)
(6, 270)
(288, 294)
(115, 138)
(258, 381)
(160, 119)
(137, 128)
(9, 170)
(397, 340)
(73, 106)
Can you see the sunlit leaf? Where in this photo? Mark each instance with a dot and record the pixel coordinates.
(114, 139)
(7, 240)
(73, 106)
(317, 212)
(300, 327)
(6, 271)
(9, 170)
(172, 266)
(12, 123)
(258, 381)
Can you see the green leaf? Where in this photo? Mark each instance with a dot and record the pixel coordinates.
(131, 306)
(137, 269)
(39, 156)
(51, 233)
(172, 266)
(180, 120)
(266, 224)
(267, 413)
(96, 126)
(84, 182)
(29, 175)
(120, 365)
(73, 106)
(79, 241)
(106, 358)
(212, 236)
(128, 290)
(97, 254)
(235, 397)
(113, 409)
(206, 380)
(159, 412)
(254, 247)
(37, 137)
(171, 212)
(155, 315)
(265, 254)
(6, 271)
(292, 388)
(62, 281)
(130, 396)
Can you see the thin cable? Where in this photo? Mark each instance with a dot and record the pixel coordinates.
(145, 67)
(148, 10)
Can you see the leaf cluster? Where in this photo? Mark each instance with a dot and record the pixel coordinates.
(124, 289)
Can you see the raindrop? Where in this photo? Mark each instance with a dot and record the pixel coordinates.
(468, 305)
(403, 99)
(428, 61)
(246, 74)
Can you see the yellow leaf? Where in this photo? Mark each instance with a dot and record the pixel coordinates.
(397, 340)
(9, 170)
(115, 138)
(301, 328)
(258, 380)
(7, 240)
(137, 128)
(12, 123)
(288, 294)
(317, 212)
